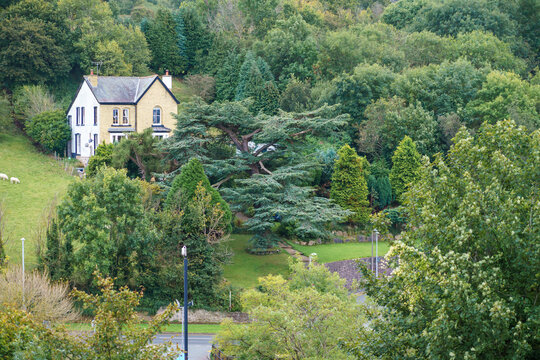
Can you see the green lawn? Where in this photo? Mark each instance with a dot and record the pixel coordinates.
(246, 268)
(192, 328)
(336, 252)
(42, 179)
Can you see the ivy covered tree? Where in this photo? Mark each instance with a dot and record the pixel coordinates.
(464, 286)
(349, 185)
(406, 163)
(267, 159)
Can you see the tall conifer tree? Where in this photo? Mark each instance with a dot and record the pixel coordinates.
(406, 166)
(349, 185)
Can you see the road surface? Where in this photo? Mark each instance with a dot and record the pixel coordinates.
(198, 348)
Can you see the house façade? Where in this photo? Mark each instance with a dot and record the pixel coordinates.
(107, 108)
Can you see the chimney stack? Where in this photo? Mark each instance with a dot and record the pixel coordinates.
(93, 78)
(167, 79)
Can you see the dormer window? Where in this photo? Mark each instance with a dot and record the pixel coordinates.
(125, 116)
(115, 116)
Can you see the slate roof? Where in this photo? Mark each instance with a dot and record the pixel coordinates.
(122, 89)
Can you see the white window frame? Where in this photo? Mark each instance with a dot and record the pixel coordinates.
(115, 117)
(117, 137)
(82, 116)
(156, 115)
(78, 116)
(77, 144)
(125, 116)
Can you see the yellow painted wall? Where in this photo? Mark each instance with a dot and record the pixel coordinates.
(157, 95)
(106, 119)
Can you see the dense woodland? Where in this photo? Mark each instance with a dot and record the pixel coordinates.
(308, 116)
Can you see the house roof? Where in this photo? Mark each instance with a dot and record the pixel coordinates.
(123, 89)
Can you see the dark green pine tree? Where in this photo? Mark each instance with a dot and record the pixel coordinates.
(184, 186)
(406, 163)
(380, 190)
(198, 39)
(227, 77)
(52, 254)
(349, 185)
(181, 40)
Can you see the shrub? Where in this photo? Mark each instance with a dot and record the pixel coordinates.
(102, 157)
(50, 129)
(31, 100)
(44, 299)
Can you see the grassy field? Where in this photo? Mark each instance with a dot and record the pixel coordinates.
(42, 179)
(192, 328)
(336, 252)
(246, 268)
(181, 91)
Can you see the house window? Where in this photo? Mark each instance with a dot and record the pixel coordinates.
(117, 137)
(156, 116)
(125, 116)
(115, 116)
(82, 116)
(78, 116)
(95, 142)
(95, 115)
(78, 144)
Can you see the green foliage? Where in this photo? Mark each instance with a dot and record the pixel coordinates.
(290, 317)
(31, 100)
(33, 39)
(141, 150)
(505, 96)
(166, 53)
(255, 81)
(102, 157)
(389, 120)
(349, 185)
(441, 88)
(104, 226)
(184, 188)
(261, 14)
(355, 92)
(5, 114)
(289, 49)
(50, 130)
(472, 247)
(425, 48)
(380, 189)
(198, 40)
(227, 77)
(406, 165)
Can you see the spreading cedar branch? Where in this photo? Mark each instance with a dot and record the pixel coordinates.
(252, 140)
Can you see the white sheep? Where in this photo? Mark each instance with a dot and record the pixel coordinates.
(3, 177)
(14, 180)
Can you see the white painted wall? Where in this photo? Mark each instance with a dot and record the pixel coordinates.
(85, 98)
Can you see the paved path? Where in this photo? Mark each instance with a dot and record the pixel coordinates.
(199, 344)
(288, 248)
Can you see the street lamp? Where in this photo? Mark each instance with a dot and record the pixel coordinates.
(376, 253)
(184, 254)
(24, 307)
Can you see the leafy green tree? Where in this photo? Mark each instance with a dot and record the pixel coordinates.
(102, 157)
(389, 120)
(166, 53)
(260, 14)
(355, 92)
(406, 164)
(113, 59)
(31, 100)
(505, 96)
(50, 130)
(183, 191)
(349, 185)
(141, 150)
(30, 52)
(402, 13)
(464, 286)
(443, 89)
(289, 49)
(296, 97)
(310, 316)
(102, 218)
(425, 48)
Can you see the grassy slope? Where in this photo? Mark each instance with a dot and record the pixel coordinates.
(246, 268)
(42, 179)
(336, 252)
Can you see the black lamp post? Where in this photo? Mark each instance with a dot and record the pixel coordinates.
(184, 254)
